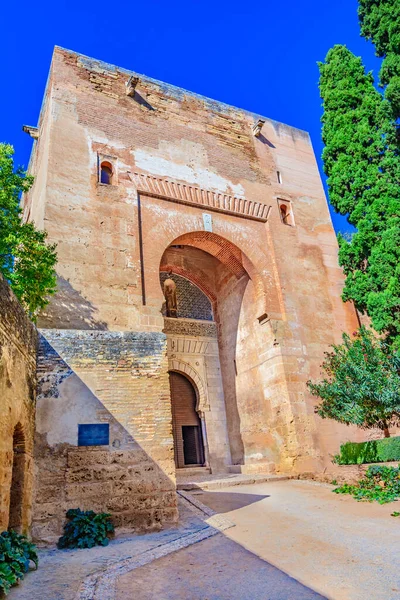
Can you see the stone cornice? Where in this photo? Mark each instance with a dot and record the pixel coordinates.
(158, 187)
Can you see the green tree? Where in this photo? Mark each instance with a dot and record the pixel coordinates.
(26, 260)
(361, 384)
(380, 23)
(362, 164)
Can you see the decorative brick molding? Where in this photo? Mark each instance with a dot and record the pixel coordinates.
(157, 187)
(190, 327)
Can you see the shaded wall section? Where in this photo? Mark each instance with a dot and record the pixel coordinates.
(18, 340)
(92, 378)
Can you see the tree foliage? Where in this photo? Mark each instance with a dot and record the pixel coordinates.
(26, 260)
(380, 23)
(362, 163)
(361, 384)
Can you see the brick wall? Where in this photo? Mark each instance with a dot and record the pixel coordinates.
(18, 340)
(103, 377)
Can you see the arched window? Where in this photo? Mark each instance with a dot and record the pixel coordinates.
(106, 173)
(286, 212)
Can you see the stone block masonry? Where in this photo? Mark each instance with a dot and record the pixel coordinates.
(91, 377)
(18, 339)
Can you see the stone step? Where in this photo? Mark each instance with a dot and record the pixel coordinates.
(192, 472)
(221, 481)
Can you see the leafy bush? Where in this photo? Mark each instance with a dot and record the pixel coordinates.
(361, 384)
(15, 554)
(383, 450)
(381, 484)
(86, 529)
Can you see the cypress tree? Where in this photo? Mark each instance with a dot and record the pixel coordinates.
(380, 23)
(363, 168)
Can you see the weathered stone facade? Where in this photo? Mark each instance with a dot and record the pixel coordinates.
(18, 339)
(160, 180)
(122, 381)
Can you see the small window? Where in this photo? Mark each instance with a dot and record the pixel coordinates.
(286, 212)
(279, 176)
(106, 173)
(97, 434)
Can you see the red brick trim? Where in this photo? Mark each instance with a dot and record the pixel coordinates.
(228, 254)
(195, 196)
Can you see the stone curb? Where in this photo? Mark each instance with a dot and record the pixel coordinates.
(221, 483)
(101, 585)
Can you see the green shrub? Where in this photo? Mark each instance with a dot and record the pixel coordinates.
(381, 484)
(86, 529)
(16, 552)
(383, 450)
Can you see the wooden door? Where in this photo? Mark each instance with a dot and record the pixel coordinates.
(188, 442)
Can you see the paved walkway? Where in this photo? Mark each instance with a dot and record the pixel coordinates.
(291, 540)
(215, 569)
(345, 550)
(61, 572)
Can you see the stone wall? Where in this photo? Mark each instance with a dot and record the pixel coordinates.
(341, 474)
(18, 340)
(102, 377)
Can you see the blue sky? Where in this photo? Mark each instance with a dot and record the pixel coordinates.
(256, 55)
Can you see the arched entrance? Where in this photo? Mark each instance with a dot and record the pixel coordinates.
(186, 423)
(17, 480)
(224, 311)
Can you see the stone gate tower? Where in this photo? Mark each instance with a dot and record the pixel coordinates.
(198, 288)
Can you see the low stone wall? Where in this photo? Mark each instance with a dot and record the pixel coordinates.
(344, 473)
(18, 341)
(99, 377)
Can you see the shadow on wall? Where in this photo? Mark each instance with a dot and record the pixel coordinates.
(228, 312)
(120, 478)
(69, 309)
(266, 141)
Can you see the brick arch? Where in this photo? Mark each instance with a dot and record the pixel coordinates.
(228, 254)
(252, 262)
(182, 367)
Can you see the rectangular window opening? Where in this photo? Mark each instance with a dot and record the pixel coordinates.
(97, 434)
